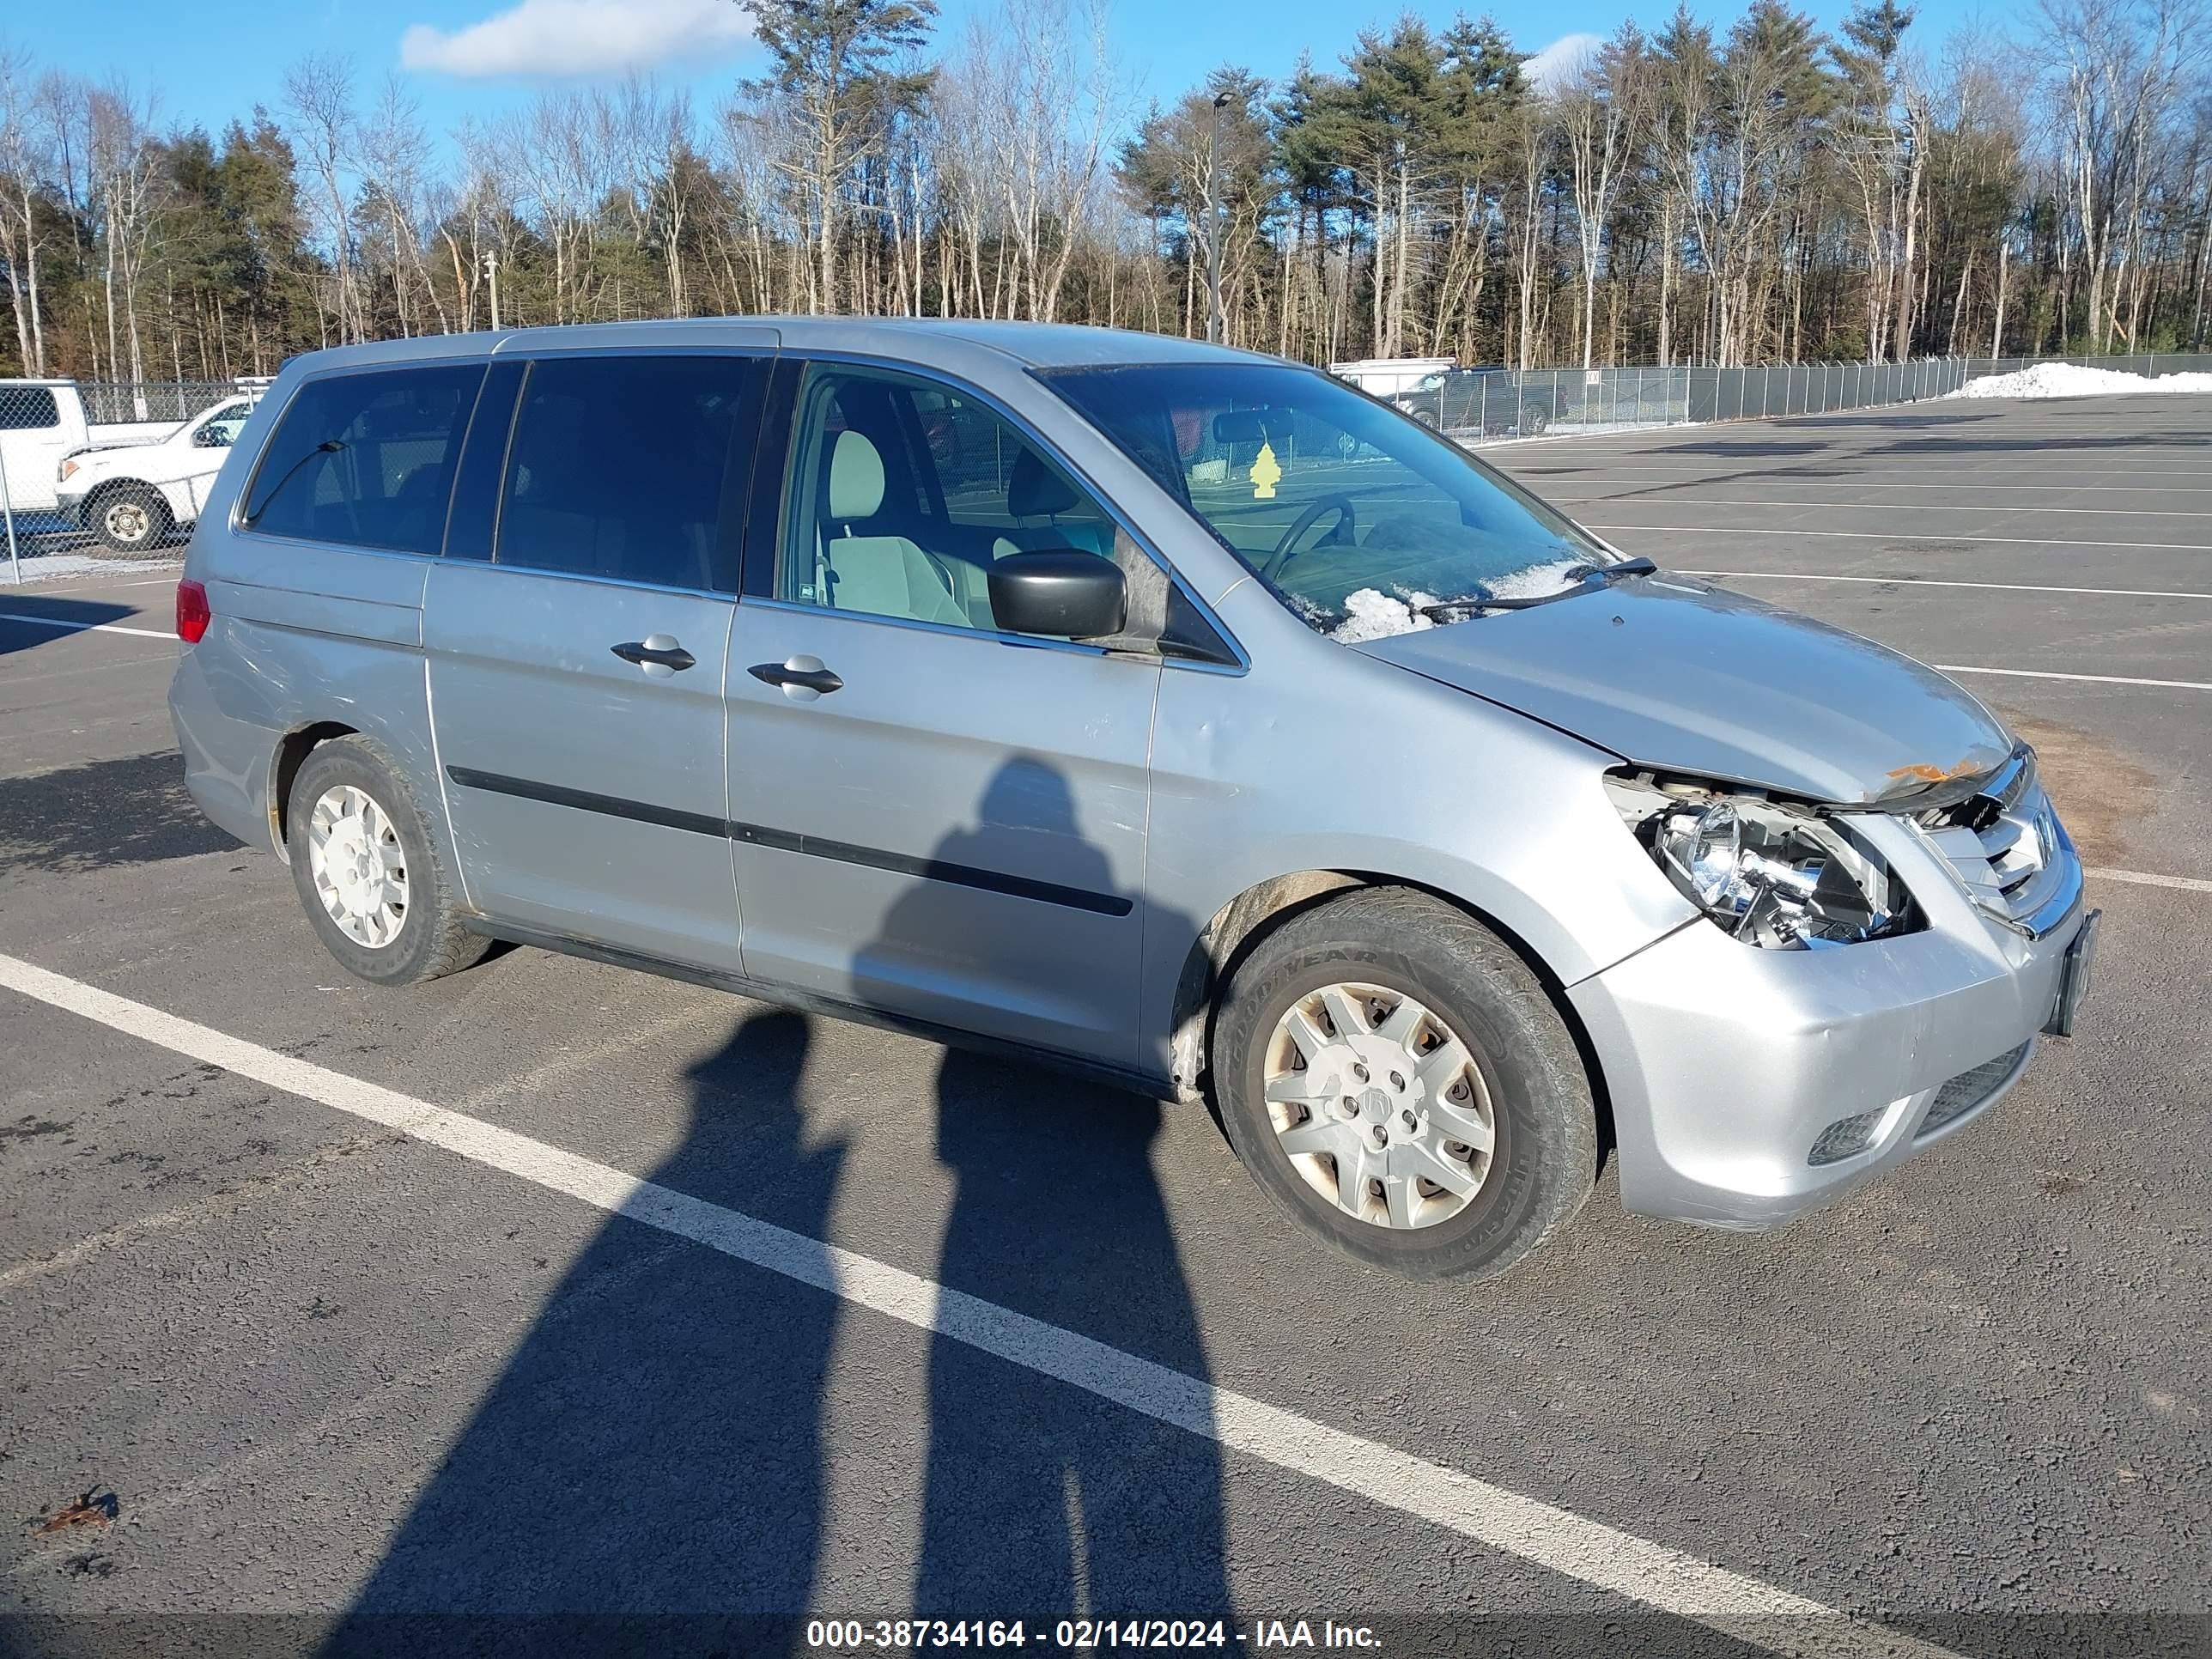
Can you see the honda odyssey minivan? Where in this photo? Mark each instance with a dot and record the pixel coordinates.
(1181, 714)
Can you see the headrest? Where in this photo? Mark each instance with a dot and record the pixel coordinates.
(1037, 490)
(856, 478)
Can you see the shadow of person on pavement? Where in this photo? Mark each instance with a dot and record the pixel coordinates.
(653, 1446)
(1042, 1499)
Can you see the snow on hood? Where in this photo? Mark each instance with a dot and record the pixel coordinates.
(1371, 614)
(2076, 380)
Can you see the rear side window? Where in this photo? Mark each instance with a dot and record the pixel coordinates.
(633, 469)
(28, 408)
(366, 459)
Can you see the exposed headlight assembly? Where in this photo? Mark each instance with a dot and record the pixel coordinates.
(1769, 872)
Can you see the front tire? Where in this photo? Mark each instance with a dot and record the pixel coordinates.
(131, 518)
(1398, 1079)
(369, 876)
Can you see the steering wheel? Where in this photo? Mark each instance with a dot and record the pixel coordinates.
(1347, 526)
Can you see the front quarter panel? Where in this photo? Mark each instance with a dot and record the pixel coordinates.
(1321, 758)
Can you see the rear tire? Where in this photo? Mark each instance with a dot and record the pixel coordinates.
(369, 875)
(131, 517)
(1533, 421)
(1355, 1128)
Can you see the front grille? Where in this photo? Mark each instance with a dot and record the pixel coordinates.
(2003, 841)
(1967, 1091)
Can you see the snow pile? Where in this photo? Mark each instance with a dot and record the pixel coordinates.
(1371, 614)
(2075, 380)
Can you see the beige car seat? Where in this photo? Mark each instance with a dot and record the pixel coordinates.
(882, 575)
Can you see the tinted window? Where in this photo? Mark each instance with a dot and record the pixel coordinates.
(27, 409)
(631, 468)
(366, 459)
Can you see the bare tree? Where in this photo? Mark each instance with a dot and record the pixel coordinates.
(1600, 112)
(318, 103)
(27, 161)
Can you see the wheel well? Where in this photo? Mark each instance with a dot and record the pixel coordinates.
(1241, 926)
(291, 753)
(108, 487)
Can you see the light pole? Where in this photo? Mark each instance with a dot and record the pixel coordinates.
(1216, 325)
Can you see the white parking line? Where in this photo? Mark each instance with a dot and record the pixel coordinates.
(1877, 506)
(2145, 878)
(86, 627)
(1889, 482)
(2098, 679)
(1704, 467)
(1934, 581)
(1551, 1537)
(1887, 536)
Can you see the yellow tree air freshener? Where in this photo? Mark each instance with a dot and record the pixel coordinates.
(1265, 473)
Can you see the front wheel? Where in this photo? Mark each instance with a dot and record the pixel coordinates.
(370, 881)
(131, 519)
(1397, 1079)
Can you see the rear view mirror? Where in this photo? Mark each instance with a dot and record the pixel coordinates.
(1250, 426)
(1059, 592)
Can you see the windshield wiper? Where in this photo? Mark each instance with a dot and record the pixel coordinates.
(1638, 566)
(1584, 576)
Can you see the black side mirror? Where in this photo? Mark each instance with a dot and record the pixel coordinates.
(1059, 592)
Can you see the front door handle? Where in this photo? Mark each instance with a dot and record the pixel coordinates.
(659, 650)
(797, 673)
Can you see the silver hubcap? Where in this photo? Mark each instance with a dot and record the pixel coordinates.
(359, 870)
(127, 521)
(1380, 1106)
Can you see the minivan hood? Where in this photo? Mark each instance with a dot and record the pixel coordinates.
(1683, 677)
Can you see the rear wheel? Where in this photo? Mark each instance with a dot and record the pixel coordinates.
(131, 519)
(1533, 421)
(373, 884)
(1398, 1079)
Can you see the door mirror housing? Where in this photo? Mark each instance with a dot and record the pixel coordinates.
(1059, 591)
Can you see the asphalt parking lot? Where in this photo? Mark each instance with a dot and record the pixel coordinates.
(352, 1306)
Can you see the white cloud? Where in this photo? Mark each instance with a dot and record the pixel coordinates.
(1553, 67)
(578, 37)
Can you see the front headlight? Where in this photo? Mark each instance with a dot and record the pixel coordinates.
(1769, 873)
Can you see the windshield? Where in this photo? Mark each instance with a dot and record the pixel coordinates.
(1357, 516)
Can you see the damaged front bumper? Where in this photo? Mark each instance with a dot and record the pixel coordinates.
(1748, 1085)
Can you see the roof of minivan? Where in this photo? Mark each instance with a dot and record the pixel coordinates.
(1041, 345)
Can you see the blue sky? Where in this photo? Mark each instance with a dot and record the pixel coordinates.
(216, 58)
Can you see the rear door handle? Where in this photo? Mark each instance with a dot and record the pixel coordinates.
(657, 649)
(797, 674)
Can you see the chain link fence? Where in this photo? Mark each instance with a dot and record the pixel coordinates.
(1473, 404)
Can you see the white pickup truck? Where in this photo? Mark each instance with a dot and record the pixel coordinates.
(40, 421)
(134, 495)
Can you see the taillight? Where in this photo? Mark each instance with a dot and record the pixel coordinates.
(192, 613)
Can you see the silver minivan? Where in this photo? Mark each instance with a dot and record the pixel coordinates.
(1182, 714)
